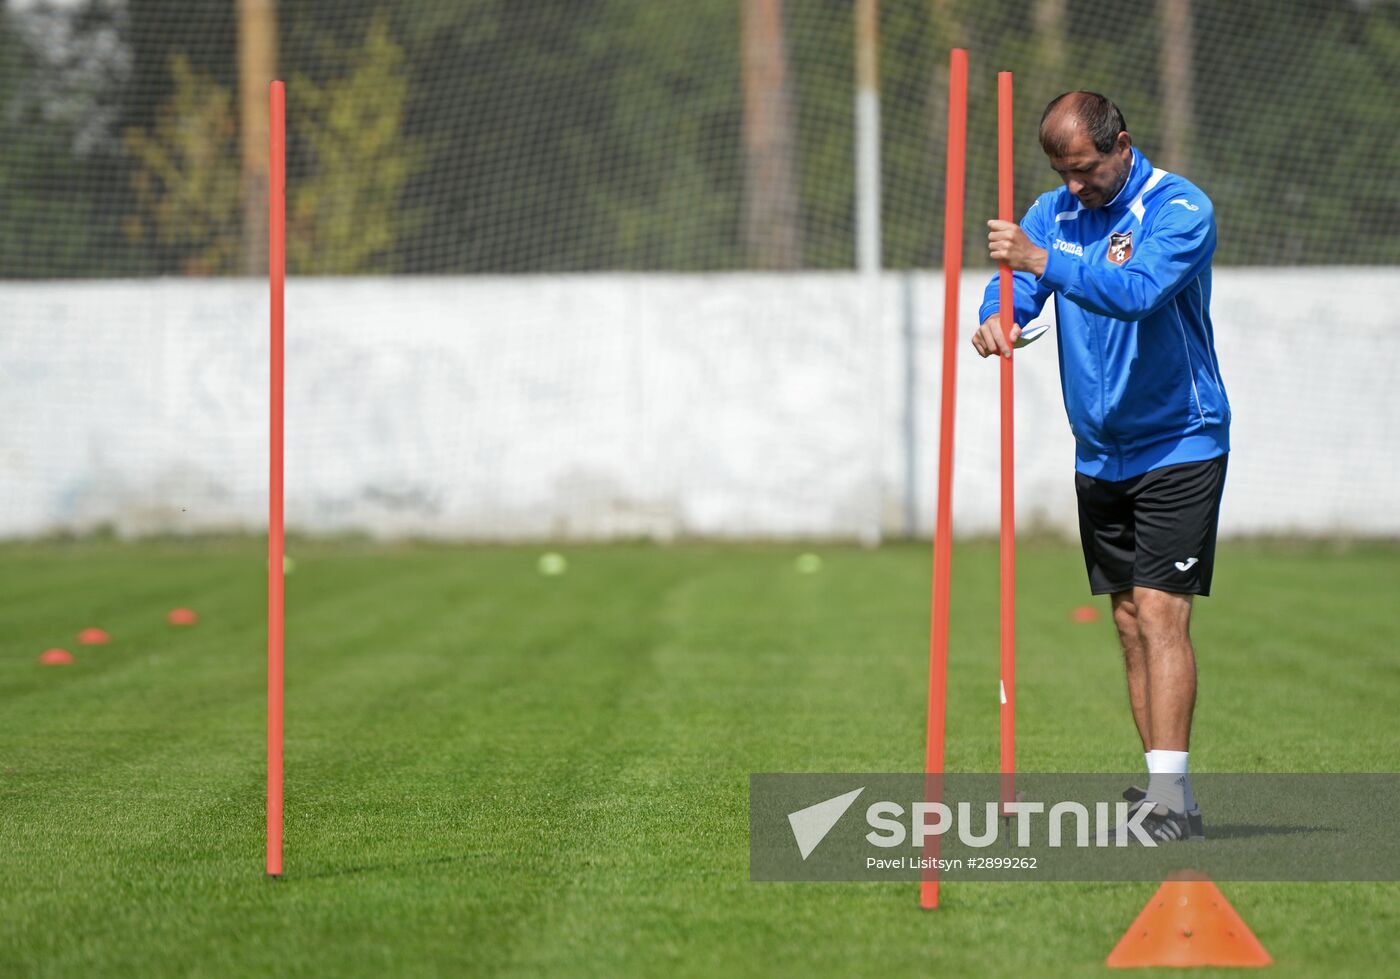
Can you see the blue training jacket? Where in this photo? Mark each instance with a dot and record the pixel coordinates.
(1131, 282)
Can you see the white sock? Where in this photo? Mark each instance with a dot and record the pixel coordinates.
(1190, 795)
(1167, 779)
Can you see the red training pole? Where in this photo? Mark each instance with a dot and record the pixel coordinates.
(1005, 211)
(277, 271)
(943, 530)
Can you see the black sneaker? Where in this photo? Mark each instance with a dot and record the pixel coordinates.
(1160, 824)
(1195, 827)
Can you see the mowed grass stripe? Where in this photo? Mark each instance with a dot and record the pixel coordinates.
(519, 721)
(769, 670)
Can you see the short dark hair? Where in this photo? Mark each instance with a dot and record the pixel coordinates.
(1096, 113)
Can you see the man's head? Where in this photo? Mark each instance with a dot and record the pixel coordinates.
(1084, 136)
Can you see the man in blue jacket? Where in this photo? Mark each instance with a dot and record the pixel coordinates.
(1125, 250)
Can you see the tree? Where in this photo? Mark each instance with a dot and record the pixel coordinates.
(1176, 51)
(57, 151)
(771, 221)
(187, 176)
(345, 213)
(352, 162)
(257, 67)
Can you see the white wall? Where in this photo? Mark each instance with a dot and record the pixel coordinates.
(622, 405)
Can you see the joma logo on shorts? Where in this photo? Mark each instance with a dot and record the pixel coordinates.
(1068, 246)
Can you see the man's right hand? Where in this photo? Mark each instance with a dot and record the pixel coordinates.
(988, 339)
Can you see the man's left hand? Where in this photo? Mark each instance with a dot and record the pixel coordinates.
(1006, 242)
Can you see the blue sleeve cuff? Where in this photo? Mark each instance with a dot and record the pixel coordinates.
(991, 301)
(1056, 270)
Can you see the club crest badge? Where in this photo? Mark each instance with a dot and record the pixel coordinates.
(1120, 247)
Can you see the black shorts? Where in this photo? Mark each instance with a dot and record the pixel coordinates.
(1156, 530)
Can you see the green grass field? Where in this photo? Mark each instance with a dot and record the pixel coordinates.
(494, 772)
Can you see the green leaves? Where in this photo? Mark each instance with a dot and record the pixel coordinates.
(186, 178)
(345, 214)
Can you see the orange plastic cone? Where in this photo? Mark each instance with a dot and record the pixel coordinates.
(182, 616)
(94, 637)
(1188, 923)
